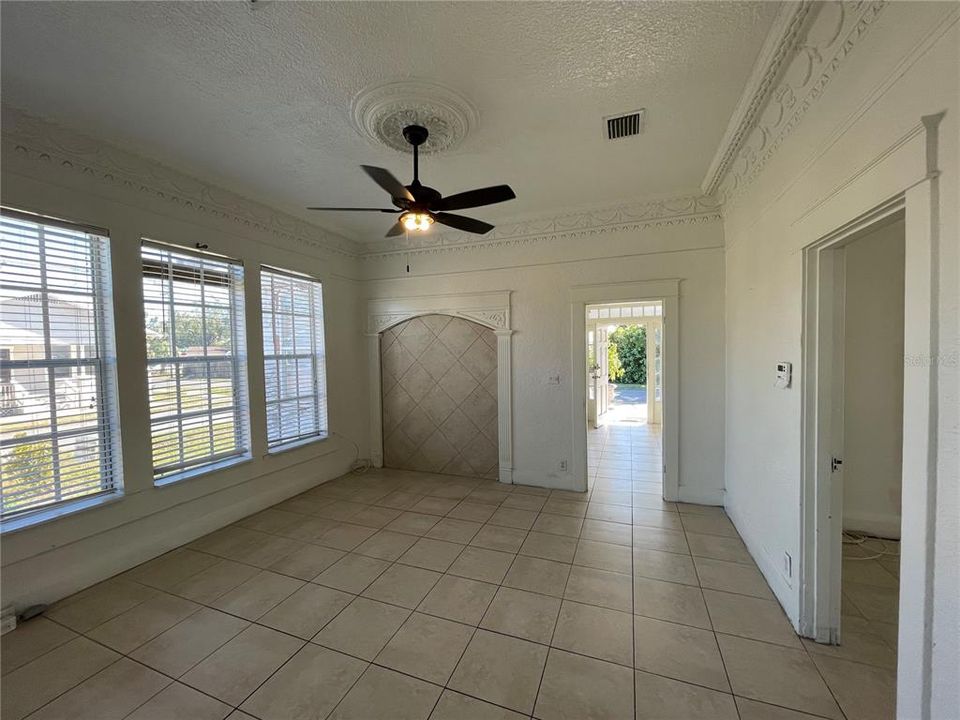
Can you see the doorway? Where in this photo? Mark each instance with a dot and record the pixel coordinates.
(872, 434)
(855, 442)
(667, 293)
(624, 392)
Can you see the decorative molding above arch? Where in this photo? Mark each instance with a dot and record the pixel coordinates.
(490, 309)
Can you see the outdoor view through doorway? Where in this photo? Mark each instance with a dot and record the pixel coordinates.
(625, 396)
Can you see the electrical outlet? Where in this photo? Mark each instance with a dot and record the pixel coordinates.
(8, 619)
(563, 465)
(787, 565)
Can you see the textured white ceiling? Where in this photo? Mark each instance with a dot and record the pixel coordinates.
(256, 97)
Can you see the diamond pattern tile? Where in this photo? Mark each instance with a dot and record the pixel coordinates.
(439, 394)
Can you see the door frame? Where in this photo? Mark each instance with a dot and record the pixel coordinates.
(821, 514)
(824, 267)
(668, 292)
(490, 309)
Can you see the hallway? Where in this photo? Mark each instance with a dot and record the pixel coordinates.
(625, 457)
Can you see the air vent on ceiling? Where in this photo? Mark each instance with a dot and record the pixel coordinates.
(624, 125)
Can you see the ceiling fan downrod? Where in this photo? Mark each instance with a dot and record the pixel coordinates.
(416, 135)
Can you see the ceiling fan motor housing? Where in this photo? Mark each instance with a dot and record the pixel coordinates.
(416, 135)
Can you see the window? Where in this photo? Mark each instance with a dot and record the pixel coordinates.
(196, 359)
(294, 357)
(59, 434)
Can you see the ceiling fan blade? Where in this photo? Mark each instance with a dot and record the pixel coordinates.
(385, 179)
(394, 210)
(396, 229)
(475, 198)
(461, 222)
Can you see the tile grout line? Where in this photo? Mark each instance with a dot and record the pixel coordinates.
(142, 664)
(556, 622)
(593, 490)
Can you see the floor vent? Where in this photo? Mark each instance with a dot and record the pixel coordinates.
(626, 125)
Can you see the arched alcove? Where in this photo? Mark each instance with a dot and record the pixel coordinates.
(438, 389)
(482, 317)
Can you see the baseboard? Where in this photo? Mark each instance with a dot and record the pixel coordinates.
(62, 571)
(701, 496)
(769, 566)
(884, 526)
(552, 480)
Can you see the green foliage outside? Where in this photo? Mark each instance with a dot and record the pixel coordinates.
(613, 361)
(28, 472)
(189, 328)
(628, 345)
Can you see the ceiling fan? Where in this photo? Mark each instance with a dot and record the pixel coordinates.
(420, 206)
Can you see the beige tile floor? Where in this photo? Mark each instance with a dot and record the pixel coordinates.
(404, 595)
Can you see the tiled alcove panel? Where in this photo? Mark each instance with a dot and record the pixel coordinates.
(439, 386)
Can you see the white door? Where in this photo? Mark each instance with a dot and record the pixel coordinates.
(598, 375)
(592, 369)
(654, 332)
(603, 373)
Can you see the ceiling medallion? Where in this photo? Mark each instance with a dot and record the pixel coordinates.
(381, 113)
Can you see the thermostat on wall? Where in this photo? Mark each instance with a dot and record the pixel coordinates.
(784, 373)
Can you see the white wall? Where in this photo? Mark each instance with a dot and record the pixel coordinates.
(873, 382)
(540, 275)
(859, 143)
(49, 171)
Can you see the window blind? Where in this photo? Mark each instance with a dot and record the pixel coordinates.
(196, 359)
(294, 357)
(59, 428)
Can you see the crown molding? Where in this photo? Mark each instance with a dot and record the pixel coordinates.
(683, 210)
(52, 145)
(778, 48)
(808, 44)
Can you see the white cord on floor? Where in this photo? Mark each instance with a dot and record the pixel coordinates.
(359, 466)
(855, 538)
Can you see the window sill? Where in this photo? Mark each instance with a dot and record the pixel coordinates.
(202, 470)
(286, 447)
(42, 517)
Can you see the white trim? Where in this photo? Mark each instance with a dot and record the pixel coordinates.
(202, 470)
(38, 140)
(582, 223)
(55, 512)
(701, 496)
(667, 291)
(822, 420)
(820, 553)
(778, 50)
(775, 101)
(490, 309)
(920, 408)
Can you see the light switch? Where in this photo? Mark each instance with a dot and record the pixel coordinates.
(784, 375)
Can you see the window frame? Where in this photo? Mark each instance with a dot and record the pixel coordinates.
(103, 367)
(317, 357)
(171, 473)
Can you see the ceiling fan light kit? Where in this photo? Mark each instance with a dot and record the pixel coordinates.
(417, 221)
(420, 206)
